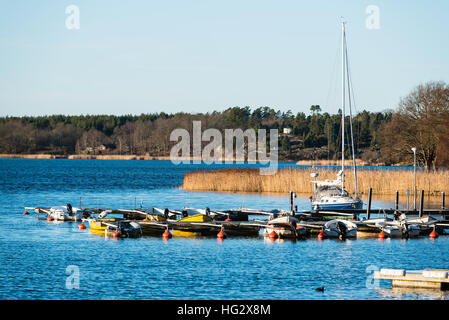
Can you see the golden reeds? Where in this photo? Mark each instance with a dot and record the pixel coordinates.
(383, 182)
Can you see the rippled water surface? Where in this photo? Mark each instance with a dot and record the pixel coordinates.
(35, 254)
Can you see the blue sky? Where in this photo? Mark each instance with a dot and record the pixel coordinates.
(200, 56)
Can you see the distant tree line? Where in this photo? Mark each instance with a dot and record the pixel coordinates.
(421, 120)
(150, 133)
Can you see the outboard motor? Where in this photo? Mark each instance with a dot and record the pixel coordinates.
(342, 229)
(207, 211)
(184, 213)
(69, 208)
(404, 227)
(166, 212)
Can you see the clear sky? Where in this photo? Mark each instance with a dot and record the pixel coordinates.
(144, 56)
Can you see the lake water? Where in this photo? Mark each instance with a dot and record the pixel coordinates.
(38, 258)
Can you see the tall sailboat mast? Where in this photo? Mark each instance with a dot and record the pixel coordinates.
(343, 104)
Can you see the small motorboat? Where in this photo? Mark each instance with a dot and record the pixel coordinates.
(123, 229)
(191, 215)
(61, 213)
(392, 231)
(99, 225)
(399, 229)
(338, 228)
(284, 227)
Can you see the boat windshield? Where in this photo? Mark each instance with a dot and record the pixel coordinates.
(331, 191)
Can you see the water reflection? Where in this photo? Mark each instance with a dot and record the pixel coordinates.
(412, 293)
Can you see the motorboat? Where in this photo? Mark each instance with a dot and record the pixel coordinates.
(123, 229)
(284, 227)
(115, 227)
(60, 213)
(399, 229)
(328, 195)
(339, 228)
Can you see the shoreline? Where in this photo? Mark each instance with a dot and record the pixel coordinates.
(149, 157)
(108, 157)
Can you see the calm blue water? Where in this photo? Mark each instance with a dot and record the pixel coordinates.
(35, 254)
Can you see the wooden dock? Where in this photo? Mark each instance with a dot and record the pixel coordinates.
(427, 278)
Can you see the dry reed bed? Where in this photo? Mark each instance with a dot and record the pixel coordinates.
(383, 182)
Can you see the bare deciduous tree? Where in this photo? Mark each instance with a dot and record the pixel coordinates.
(417, 123)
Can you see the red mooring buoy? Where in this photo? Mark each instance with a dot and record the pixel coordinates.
(221, 235)
(50, 218)
(166, 234)
(26, 212)
(273, 234)
(433, 234)
(382, 235)
(82, 226)
(321, 235)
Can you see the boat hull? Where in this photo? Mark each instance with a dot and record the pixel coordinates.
(337, 206)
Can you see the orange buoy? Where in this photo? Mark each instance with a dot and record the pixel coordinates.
(433, 234)
(26, 212)
(115, 234)
(221, 234)
(382, 235)
(50, 218)
(82, 226)
(321, 235)
(273, 234)
(166, 234)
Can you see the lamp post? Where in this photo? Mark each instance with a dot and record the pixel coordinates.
(414, 173)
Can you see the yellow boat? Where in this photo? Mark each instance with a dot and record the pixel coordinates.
(155, 217)
(190, 231)
(196, 218)
(97, 227)
(185, 234)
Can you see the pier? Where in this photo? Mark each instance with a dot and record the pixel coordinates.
(427, 278)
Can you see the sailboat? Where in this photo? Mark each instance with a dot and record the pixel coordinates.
(331, 194)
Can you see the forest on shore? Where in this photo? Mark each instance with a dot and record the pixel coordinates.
(421, 120)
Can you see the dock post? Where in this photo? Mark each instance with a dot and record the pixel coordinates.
(407, 192)
(291, 201)
(443, 195)
(396, 201)
(421, 204)
(368, 207)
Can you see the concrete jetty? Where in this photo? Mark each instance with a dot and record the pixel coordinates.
(427, 278)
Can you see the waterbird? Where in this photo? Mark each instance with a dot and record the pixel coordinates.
(320, 289)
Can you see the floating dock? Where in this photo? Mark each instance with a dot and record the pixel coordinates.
(427, 278)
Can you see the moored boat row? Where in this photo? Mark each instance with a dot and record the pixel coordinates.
(278, 224)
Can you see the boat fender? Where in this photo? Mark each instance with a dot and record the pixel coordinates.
(166, 213)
